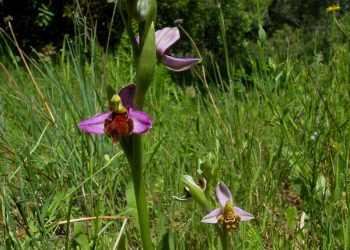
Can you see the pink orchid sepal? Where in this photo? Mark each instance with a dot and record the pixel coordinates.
(165, 39)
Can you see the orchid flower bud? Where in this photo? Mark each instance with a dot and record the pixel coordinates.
(196, 191)
(142, 8)
(201, 184)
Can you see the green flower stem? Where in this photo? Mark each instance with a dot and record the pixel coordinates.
(140, 196)
(144, 75)
(223, 238)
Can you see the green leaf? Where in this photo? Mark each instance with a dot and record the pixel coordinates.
(146, 64)
(262, 34)
(164, 242)
(322, 186)
(291, 216)
(132, 207)
(151, 15)
(80, 235)
(167, 242)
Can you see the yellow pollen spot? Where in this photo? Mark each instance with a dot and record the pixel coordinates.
(333, 8)
(117, 105)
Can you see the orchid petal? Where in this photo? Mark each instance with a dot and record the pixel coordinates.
(165, 38)
(245, 216)
(179, 64)
(223, 194)
(95, 125)
(127, 95)
(142, 122)
(213, 216)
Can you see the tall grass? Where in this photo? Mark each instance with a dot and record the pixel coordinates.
(283, 152)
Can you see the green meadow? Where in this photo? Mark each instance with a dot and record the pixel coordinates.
(277, 135)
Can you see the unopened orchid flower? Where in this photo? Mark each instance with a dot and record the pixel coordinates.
(165, 38)
(227, 215)
(201, 185)
(122, 120)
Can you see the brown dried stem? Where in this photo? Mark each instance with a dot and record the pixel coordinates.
(8, 20)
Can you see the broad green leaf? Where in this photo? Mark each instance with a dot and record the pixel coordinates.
(147, 63)
(132, 207)
(291, 216)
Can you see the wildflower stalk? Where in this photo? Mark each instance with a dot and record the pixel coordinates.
(136, 164)
(142, 82)
(144, 58)
(223, 238)
(139, 189)
(41, 95)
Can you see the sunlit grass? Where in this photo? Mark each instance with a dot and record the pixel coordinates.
(283, 152)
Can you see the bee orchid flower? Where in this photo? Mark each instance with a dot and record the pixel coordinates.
(165, 38)
(227, 215)
(122, 119)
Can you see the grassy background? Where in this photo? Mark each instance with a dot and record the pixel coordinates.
(279, 139)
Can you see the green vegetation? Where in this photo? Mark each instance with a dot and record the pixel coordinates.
(276, 132)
